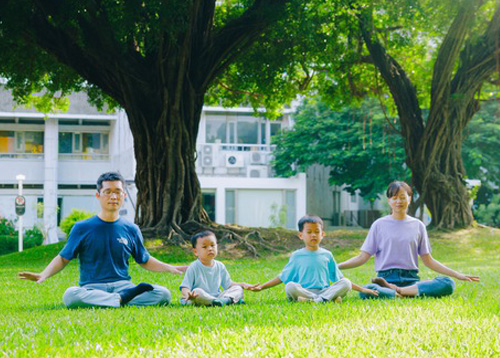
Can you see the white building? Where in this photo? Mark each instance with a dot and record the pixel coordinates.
(61, 156)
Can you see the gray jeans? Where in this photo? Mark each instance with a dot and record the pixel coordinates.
(106, 295)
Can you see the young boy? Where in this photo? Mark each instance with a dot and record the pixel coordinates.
(205, 276)
(308, 273)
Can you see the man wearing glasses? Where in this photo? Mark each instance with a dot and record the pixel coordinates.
(103, 244)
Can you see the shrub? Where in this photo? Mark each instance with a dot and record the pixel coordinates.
(32, 238)
(72, 218)
(489, 214)
(8, 243)
(7, 227)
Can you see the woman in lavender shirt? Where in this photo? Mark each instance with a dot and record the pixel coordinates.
(397, 240)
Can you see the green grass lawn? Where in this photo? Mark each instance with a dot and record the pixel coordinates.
(34, 322)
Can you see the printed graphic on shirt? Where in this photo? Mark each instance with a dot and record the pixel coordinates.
(123, 241)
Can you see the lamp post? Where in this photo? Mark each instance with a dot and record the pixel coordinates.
(20, 209)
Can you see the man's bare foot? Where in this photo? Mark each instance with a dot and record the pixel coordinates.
(382, 282)
(338, 300)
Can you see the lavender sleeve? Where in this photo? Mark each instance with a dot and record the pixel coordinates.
(424, 246)
(370, 244)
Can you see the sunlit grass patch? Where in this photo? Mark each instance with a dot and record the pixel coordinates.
(34, 322)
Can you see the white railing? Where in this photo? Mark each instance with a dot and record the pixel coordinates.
(241, 147)
(21, 155)
(84, 156)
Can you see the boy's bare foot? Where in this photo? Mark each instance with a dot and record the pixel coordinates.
(304, 299)
(338, 300)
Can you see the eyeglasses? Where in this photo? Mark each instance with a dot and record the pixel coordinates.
(110, 193)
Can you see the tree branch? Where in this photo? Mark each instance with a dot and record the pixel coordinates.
(403, 91)
(235, 37)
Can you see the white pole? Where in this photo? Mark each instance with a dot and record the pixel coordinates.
(20, 179)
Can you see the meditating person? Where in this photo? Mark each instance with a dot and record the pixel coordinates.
(103, 244)
(397, 240)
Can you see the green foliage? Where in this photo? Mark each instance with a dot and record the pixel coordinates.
(278, 215)
(464, 324)
(480, 147)
(489, 214)
(357, 144)
(9, 239)
(72, 218)
(7, 227)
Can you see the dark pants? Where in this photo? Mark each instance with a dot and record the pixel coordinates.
(437, 287)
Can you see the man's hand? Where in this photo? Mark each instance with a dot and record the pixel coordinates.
(177, 270)
(32, 276)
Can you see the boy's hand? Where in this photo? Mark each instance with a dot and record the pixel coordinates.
(246, 286)
(191, 296)
(257, 287)
(369, 292)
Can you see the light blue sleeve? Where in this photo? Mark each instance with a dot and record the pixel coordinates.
(289, 272)
(189, 277)
(334, 271)
(225, 277)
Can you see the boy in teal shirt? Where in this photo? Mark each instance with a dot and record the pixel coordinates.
(310, 270)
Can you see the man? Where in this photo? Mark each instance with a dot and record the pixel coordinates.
(103, 244)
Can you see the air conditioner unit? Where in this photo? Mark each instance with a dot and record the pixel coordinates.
(235, 161)
(258, 158)
(207, 156)
(257, 172)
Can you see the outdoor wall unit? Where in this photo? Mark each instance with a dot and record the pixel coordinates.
(257, 172)
(235, 161)
(207, 156)
(258, 158)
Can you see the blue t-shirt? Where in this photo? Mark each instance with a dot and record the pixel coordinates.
(311, 269)
(104, 248)
(210, 279)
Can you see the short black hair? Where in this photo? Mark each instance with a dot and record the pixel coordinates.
(309, 219)
(195, 237)
(395, 186)
(109, 176)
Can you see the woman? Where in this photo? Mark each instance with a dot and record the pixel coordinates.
(397, 240)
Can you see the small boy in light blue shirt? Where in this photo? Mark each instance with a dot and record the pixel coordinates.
(205, 276)
(310, 270)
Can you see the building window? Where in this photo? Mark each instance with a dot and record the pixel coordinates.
(21, 142)
(216, 129)
(247, 130)
(7, 140)
(208, 202)
(230, 207)
(354, 198)
(90, 145)
(291, 209)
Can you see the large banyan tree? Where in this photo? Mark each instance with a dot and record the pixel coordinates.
(156, 59)
(465, 61)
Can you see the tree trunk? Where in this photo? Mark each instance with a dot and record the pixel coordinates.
(434, 150)
(165, 131)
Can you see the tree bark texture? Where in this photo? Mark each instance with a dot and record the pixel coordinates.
(434, 147)
(161, 88)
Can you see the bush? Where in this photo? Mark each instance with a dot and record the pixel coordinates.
(489, 214)
(72, 218)
(32, 238)
(7, 227)
(10, 242)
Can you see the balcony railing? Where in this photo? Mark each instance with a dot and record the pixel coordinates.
(21, 155)
(84, 156)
